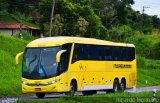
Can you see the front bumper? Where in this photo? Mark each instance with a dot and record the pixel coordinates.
(40, 89)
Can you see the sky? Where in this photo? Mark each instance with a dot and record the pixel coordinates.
(154, 6)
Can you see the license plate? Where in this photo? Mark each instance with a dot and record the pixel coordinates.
(37, 89)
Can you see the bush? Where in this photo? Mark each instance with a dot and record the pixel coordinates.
(26, 36)
(156, 51)
(142, 62)
(146, 46)
(120, 33)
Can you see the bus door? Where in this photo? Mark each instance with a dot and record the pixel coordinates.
(78, 62)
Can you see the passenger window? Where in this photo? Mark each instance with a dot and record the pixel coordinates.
(101, 52)
(65, 57)
(93, 52)
(77, 53)
(123, 54)
(116, 53)
(108, 53)
(131, 54)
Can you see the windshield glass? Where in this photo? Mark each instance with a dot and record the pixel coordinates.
(40, 63)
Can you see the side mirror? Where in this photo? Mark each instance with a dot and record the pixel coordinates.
(17, 57)
(58, 56)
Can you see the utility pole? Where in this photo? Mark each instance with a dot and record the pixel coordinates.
(51, 19)
(143, 10)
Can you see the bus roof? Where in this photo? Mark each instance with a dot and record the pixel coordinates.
(60, 40)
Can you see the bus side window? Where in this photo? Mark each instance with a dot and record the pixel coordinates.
(65, 56)
(116, 54)
(108, 53)
(85, 52)
(131, 54)
(101, 53)
(77, 53)
(123, 53)
(93, 52)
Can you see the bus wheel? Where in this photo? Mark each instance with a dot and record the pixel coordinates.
(115, 86)
(72, 89)
(40, 95)
(89, 92)
(123, 85)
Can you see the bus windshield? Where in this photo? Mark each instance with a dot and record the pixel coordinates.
(40, 63)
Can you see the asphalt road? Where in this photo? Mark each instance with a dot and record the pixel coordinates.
(56, 96)
(143, 89)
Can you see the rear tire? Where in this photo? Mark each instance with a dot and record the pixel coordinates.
(115, 86)
(40, 95)
(123, 85)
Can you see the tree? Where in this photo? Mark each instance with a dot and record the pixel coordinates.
(44, 9)
(122, 8)
(155, 21)
(58, 25)
(147, 24)
(81, 26)
(3, 7)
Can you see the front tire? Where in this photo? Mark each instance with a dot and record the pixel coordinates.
(40, 95)
(72, 89)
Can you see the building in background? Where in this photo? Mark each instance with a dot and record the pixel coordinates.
(14, 28)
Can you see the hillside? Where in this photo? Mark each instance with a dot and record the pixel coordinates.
(10, 79)
(147, 46)
(10, 18)
(10, 76)
(147, 70)
(113, 20)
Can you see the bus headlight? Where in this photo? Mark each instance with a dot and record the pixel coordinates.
(54, 81)
(24, 82)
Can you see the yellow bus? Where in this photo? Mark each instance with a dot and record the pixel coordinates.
(70, 64)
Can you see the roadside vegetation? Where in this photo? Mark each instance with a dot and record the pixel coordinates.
(147, 46)
(148, 72)
(10, 78)
(102, 98)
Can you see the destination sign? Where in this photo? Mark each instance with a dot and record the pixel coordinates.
(122, 66)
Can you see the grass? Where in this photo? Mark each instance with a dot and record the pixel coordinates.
(10, 83)
(148, 70)
(25, 21)
(7, 18)
(10, 74)
(150, 75)
(26, 36)
(99, 98)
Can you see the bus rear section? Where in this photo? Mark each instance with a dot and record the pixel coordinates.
(103, 67)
